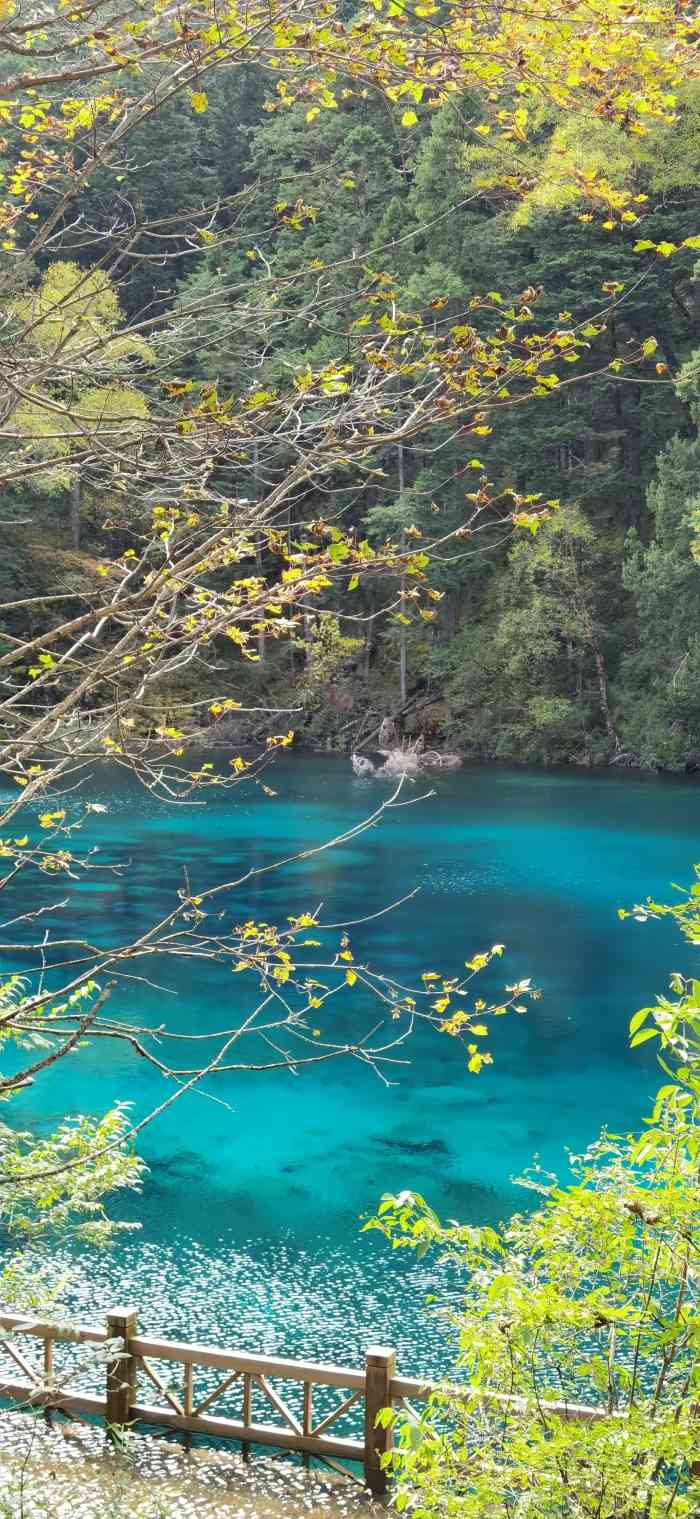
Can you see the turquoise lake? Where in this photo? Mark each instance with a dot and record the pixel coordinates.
(250, 1216)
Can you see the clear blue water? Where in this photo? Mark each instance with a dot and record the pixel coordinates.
(250, 1214)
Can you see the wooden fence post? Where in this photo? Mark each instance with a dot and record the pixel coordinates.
(380, 1367)
(121, 1372)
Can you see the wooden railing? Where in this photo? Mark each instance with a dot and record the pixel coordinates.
(255, 1377)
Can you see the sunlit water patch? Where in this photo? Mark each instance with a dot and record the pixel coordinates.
(281, 1297)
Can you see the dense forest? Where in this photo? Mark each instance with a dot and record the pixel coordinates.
(579, 644)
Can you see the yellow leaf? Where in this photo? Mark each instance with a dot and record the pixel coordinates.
(199, 101)
(409, 119)
(47, 819)
(351, 977)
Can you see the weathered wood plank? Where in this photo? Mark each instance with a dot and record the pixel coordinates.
(152, 1375)
(251, 1434)
(84, 1334)
(410, 1387)
(336, 1413)
(121, 1371)
(218, 1392)
(81, 1403)
(187, 1393)
(24, 1365)
(380, 1365)
(279, 1403)
(270, 1366)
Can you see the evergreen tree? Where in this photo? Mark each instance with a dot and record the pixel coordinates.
(659, 684)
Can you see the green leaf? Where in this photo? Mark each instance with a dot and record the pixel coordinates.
(647, 1033)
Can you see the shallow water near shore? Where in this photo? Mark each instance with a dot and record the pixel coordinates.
(250, 1216)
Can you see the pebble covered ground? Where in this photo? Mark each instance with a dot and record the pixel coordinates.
(69, 1471)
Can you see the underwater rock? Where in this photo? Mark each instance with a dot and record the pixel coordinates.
(415, 1146)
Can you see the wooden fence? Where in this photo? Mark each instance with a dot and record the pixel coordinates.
(375, 1386)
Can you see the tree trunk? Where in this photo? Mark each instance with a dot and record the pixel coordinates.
(603, 690)
(258, 550)
(368, 642)
(633, 455)
(75, 504)
(602, 676)
(403, 662)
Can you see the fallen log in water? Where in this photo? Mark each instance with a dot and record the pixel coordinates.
(405, 759)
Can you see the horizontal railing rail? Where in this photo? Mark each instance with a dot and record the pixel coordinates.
(131, 1356)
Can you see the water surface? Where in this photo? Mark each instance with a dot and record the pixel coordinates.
(250, 1215)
